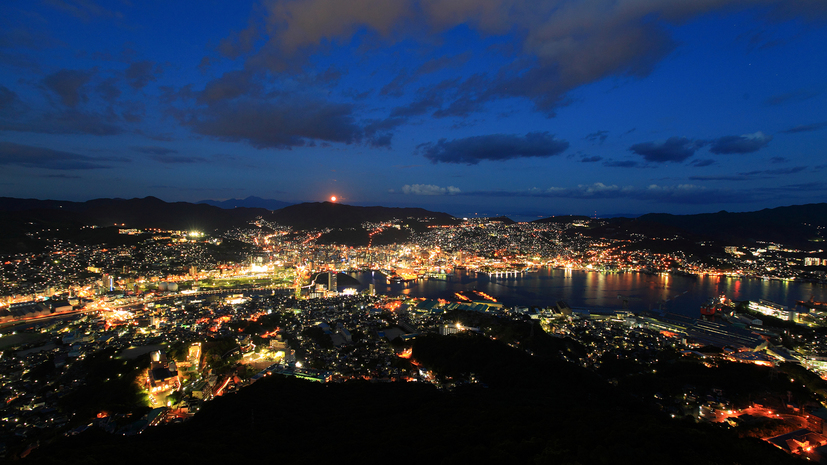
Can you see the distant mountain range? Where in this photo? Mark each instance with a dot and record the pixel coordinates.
(318, 215)
(249, 202)
(22, 216)
(793, 225)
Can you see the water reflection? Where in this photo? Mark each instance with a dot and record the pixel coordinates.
(680, 294)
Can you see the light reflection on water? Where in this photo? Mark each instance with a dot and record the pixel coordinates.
(591, 289)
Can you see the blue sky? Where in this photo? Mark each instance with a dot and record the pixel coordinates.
(509, 107)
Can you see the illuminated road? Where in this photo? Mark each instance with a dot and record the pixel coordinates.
(100, 306)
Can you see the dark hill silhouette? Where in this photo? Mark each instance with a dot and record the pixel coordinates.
(319, 215)
(562, 219)
(21, 216)
(502, 219)
(148, 212)
(535, 410)
(249, 202)
(793, 225)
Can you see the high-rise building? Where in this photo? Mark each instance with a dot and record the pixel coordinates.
(332, 284)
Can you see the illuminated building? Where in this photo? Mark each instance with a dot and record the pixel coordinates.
(775, 310)
(445, 330)
(194, 355)
(812, 261)
(163, 374)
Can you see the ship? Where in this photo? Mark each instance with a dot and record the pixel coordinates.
(710, 308)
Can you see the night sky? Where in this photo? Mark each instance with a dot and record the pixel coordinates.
(522, 108)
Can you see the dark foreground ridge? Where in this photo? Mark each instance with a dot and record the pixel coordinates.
(527, 409)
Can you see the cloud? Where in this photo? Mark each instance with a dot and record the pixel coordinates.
(280, 124)
(399, 84)
(379, 132)
(776, 172)
(154, 150)
(674, 149)
(108, 90)
(622, 164)
(429, 189)
(597, 190)
(230, 85)
(68, 85)
(746, 143)
(805, 128)
(545, 63)
(40, 157)
(776, 160)
(170, 159)
(702, 163)
(441, 62)
(69, 121)
(472, 150)
(683, 194)
(7, 97)
(724, 177)
(794, 96)
(600, 136)
(60, 176)
(751, 175)
(141, 73)
(593, 159)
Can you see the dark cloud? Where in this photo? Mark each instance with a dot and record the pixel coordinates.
(751, 175)
(441, 62)
(776, 172)
(724, 177)
(108, 90)
(472, 150)
(746, 143)
(400, 83)
(40, 157)
(593, 159)
(66, 122)
(806, 128)
(68, 85)
(230, 85)
(60, 176)
(22, 37)
(7, 97)
(795, 96)
(381, 140)
(141, 73)
(380, 132)
(154, 150)
(674, 149)
(619, 39)
(167, 158)
(778, 160)
(396, 88)
(276, 124)
(418, 107)
(205, 64)
(467, 97)
(598, 136)
(702, 163)
(622, 164)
